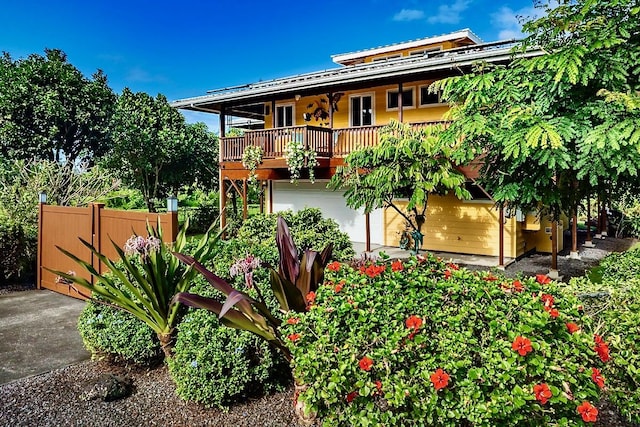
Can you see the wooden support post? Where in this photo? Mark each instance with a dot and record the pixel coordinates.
(270, 196)
(553, 273)
(273, 114)
(223, 204)
(588, 242)
(367, 233)
(598, 219)
(574, 234)
(501, 238)
(330, 95)
(400, 109)
(263, 188)
(96, 240)
(245, 201)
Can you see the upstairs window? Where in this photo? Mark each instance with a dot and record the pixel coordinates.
(284, 116)
(427, 98)
(407, 99)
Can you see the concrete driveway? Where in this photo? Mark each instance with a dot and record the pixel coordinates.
(38, 333)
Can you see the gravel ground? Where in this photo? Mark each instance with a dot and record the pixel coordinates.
(52, 399)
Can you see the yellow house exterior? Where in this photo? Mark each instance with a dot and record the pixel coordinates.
(337, 111)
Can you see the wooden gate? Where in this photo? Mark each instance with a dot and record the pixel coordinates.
(63, 226)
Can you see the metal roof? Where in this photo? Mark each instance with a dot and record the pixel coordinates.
(405, 67)
(456, 35)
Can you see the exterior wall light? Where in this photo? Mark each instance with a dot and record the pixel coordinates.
(172, 204)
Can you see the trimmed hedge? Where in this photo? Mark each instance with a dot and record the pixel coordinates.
(14, 247)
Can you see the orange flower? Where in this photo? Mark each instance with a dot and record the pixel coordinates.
(365, 363)
(517, 286)
(453, 266)
(522, 345)
(294, 337)
(543, 279)
(542, 392)
(334, 266)
(602, 348)
(440, 379)
(447, 274)
(397, 266)
(413, 322)
(572, 327)
(553, 312)
(311, 297)
(490, 278)
(588, 412)
(373, 270)
(378, 386)
(597, 377)
(547, 300)
(338, 287)
(293, 321)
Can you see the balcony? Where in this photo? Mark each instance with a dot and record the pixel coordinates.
(327, 143)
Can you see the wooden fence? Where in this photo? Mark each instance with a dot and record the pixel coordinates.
(63, 226)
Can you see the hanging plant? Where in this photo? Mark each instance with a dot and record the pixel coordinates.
(251, 158)
(297, 158)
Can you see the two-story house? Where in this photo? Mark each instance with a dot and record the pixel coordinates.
(336, 111)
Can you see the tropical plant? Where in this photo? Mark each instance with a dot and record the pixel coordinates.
(215, 366)
(13, 246)
(297, 158)
(407, 163)
(148, 278)
(292, 284)
(424, 342)
(251, 159)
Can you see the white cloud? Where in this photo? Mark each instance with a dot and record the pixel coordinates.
(408, 15)
(449, 13)
(508, 22)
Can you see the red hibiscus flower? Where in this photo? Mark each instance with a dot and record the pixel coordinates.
(365, 364)
(547, 300)
(453, 266)
(597, 377)
(588, 412)
(378, 384)
(543, 279)
(413, 322)
(517, 286)
(572, 327)
(542, 392)
(311, 297)
(351, 396)
(334, 266)
(440, 379)
(522, 345)
(374, 270)
(491, 278)
(447, 274)
(293, 321)
(293, 337)
(397, 266)
(338, 287)
(553, 312)
(602, 348)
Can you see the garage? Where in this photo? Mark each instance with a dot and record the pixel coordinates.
(285, 195)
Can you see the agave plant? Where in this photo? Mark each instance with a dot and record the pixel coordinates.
(292, 282)
(145, 280)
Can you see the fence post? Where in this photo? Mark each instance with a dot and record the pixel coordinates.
(42, 200)
(172, 210)
(96, 241)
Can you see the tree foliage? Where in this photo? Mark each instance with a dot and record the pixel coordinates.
(555, 125)
(408, 163)
(155, 151)
(50, 111)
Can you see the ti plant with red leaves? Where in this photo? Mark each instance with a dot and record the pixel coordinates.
(293, 281)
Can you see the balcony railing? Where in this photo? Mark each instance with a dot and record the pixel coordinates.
(325, 142)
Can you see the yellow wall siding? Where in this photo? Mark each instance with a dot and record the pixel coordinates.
(456, 226)
(405, 52)
(541, 240)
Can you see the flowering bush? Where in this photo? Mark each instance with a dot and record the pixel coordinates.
(298, 157)
(423, 342)
(251, 158)
(614, 305)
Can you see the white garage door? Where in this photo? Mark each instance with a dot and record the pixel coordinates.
(332, 205)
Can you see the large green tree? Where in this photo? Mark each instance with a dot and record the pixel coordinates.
(408, 163)
(155, 151)
(49, 110)
(555, 126)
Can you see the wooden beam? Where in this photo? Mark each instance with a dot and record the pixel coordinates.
(574, 230)
(270, 196)
(501, 238)
(367, 233)
(554, 245)
(223, 204)
(245, 206)
(273, 114)
(588, 217)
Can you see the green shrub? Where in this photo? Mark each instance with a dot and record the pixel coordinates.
(308, 228)
(14, 244)
(113, 333)
(614, 304)
(125, 198)
(215, 365)
(426, 343)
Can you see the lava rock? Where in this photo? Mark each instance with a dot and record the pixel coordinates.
(108, 388)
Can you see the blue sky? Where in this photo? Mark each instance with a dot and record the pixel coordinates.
(184, 48)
